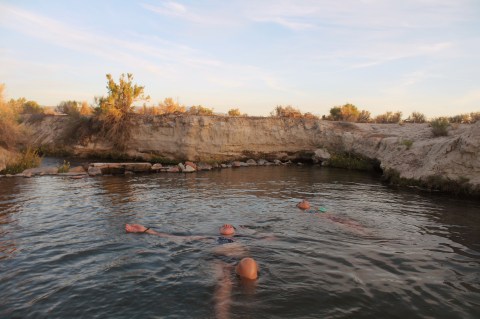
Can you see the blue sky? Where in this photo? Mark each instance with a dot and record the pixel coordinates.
(381, 55)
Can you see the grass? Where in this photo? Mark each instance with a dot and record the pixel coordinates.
(353, 161)
(408, 143)
(65, 167)
(27, 159)
(440, 126)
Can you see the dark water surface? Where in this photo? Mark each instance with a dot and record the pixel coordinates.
(64, 252)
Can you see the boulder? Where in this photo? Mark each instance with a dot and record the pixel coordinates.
(251, 162)
(321, 155)
(77, 169)
(173, 169)
(188, 169)
(204, 167)
(192, 164)
(40, 171)
(156, 167)
(94, 171)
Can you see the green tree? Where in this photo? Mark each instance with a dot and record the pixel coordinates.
(32, 107)
(115, 110)
(71, 108)
(335, 114)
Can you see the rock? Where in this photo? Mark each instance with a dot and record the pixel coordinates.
(129, 173)
(181, 167)
(204, 167)
(321, 155)
(137, 167)
(41, 171)
(192, 164)
(188, 169)
(174, 169)
(223, 165)
(94, 171)
(236, 164)
(77, 169)
(156, 167)
(262, 162)
(251, 162)
(277, 162)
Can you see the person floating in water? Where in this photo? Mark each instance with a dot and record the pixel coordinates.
(246, 269)
(342, 221)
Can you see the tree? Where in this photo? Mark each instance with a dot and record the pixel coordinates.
(121, 96)
(69, 107)
(335, 113)
(349, 112)
(31, 107)
(85, 109)
(115, 110)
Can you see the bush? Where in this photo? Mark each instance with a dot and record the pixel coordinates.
(169, 106)
(10, 132)
(64, 168)
(440, 126)
(71, 108)
(234, 112)
(416, 117)
(200, 110)
(364, 117)
(389, 117)
(474, 117)
(32, 107)
(286, 111)
(407, 143)
(27, 159)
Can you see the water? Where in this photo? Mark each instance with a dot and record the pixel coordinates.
(64, 252)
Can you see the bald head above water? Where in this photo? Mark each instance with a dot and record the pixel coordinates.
(247, 268)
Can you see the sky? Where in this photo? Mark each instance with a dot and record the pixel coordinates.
(380, 55)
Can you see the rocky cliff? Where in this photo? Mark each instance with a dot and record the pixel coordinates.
(406, 151)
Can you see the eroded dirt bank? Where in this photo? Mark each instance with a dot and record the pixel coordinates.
(406, 152)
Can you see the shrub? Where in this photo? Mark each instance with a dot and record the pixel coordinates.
(440, 126)
(474, 117)
(416, 117)
(364, 117)
(32, 107)
(10, 131)
(234, 112)
(27, 159)
(460, 119)
(85, 109)
(71, 108)
(200, 110)
(64, 168)
(169, 106)
(389, 117)
(286, 111)
(407, 143)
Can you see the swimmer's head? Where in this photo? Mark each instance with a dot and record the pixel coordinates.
(304, 204)
(247, 268)
(227, 230)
